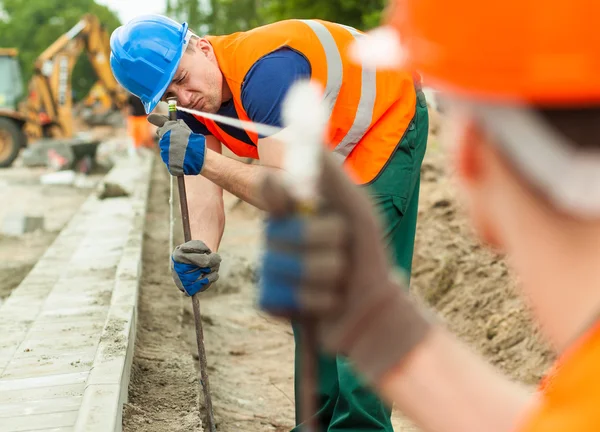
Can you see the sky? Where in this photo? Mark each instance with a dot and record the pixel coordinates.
(127, 9)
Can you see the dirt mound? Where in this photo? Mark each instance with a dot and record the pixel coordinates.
(468, 284)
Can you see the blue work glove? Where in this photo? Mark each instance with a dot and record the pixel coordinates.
(288, 275)
(194, 267)
(182, 151)
(331, 266)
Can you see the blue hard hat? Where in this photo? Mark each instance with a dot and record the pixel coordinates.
(144, 55)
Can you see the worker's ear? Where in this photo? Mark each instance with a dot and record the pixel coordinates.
(468, 153)
(205, 47)
(472, 155)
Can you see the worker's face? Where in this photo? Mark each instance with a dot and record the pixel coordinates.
(489, 187)
(198, 82)
(502, 207)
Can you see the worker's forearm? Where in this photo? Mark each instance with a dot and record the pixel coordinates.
(444, 387)
(238, 178)
(206, 211)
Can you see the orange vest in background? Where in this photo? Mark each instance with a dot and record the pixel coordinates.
(570, 395)
(371, 109)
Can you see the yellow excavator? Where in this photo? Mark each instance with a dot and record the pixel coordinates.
(47, 111)
(99, 107)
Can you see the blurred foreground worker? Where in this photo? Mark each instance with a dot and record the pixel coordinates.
(137, 124)
(377, 130)
(523, 89)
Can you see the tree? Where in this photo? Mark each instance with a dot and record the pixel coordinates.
(226, 16)
(31, 26)
(361, 14)
(219, 16)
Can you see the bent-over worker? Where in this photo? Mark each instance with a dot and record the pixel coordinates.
(377, 130)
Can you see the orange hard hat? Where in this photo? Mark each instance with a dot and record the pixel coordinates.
(542, 52)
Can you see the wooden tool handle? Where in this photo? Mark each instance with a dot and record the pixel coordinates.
(187, 235)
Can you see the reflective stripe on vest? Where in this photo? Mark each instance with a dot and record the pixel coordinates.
(364, 113)
(369, 110)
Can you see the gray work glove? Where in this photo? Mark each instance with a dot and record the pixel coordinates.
(182, 151)
(194, 267)
(332, 266)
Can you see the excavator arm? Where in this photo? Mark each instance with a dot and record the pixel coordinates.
(49, 109)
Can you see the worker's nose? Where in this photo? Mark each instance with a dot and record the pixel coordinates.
(184, 98)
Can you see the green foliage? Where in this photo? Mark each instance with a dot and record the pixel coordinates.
(219, 16)
(33, 25)
(227, 16)
(362, 14)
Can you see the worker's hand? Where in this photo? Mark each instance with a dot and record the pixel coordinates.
(180, 149)
(332, 267)
(194, 267)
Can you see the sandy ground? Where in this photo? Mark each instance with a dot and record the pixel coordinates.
(250, 355)
(21, 192)
(469, 285)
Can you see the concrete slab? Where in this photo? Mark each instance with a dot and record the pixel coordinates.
(101, 409)
(41, 393)
(65, 429)
(70, 326)
(44, 365)
(7, 385)
(17, 224)
(59, 404)
(107, 385)
(23, 423)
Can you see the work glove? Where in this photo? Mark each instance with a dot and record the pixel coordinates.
(182, 151)
(194, 267)
(331, 267)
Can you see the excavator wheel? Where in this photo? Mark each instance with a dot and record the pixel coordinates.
(12, 139)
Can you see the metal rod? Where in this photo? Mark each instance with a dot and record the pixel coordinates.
(185, 216)
(187, 235)
(203, 366)
(309, 373)
(309, 370)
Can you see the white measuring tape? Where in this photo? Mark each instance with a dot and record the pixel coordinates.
(305, 117)
(259, 128)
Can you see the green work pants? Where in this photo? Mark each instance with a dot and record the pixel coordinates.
(345, 402)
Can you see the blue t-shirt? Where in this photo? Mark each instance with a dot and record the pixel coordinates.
(263, 91)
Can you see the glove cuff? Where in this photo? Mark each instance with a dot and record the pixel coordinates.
(392, 329)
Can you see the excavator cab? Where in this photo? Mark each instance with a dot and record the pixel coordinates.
(11, 83)
(12, 138)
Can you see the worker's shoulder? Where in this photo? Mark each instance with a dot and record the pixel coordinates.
(285, 61)
(269, 79)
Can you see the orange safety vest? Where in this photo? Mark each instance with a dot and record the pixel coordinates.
(370, 110)
(570, 395)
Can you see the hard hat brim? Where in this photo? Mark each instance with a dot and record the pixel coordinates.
(568, 178)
